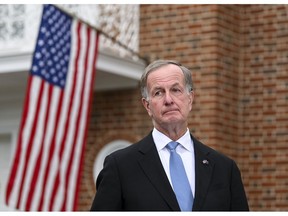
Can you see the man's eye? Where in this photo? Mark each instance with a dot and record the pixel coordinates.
(176, 90)
(158, 93)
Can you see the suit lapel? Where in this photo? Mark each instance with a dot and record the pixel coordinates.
(152, 167)
(203, 171)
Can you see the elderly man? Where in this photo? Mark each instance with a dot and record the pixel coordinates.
(169, 169)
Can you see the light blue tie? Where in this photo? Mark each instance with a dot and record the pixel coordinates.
(179, 179)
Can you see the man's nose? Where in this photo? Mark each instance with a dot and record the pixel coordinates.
(168, 98)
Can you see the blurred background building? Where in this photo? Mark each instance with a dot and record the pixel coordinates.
(238, 55)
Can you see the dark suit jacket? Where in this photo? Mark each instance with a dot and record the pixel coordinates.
(133, 179)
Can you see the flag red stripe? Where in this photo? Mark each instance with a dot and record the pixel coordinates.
(51, 150)
(87, 122)
(29, 147)
(59, 110)
(67, 124)
(40, 155)
(68, 172)
(15, 169)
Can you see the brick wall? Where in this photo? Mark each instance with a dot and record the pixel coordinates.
(263, 105)
(238, 55)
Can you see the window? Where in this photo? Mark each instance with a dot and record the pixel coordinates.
(5, 154)
(106, 150)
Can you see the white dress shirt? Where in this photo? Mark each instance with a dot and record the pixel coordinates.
(185, 150)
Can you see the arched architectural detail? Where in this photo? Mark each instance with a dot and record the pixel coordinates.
(96, 154)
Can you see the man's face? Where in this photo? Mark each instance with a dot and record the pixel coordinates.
(169, 102)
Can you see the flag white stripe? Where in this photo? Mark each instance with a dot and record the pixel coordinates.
(79, 138)
(36, 145)
(34, 91)
(82, 125)
(47, 144)
(54, 103)
(73, 179)
(78, 102)
(76, 106)
(54, 160)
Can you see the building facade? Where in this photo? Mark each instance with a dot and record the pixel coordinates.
(238, 55)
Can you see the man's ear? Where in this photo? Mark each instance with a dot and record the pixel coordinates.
(191, 98)
(146, 104)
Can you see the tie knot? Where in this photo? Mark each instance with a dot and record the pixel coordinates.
(172, 145)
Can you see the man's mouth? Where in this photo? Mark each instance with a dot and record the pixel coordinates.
(170, 111)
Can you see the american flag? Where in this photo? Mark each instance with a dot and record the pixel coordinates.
(45, 171)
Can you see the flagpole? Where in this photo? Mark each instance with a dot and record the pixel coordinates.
(102, 32)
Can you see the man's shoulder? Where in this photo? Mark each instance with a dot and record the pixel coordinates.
(140, 146)
(209, 151)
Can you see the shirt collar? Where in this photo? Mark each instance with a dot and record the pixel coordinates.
(161, 140)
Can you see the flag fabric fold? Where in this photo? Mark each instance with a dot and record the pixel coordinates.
(45, 171)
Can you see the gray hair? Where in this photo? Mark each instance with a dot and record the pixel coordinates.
(158, 64)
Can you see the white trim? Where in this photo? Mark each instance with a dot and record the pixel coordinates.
(120, 66)
(106, 62)
(15, 63)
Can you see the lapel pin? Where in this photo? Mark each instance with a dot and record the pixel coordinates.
(206, 162)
